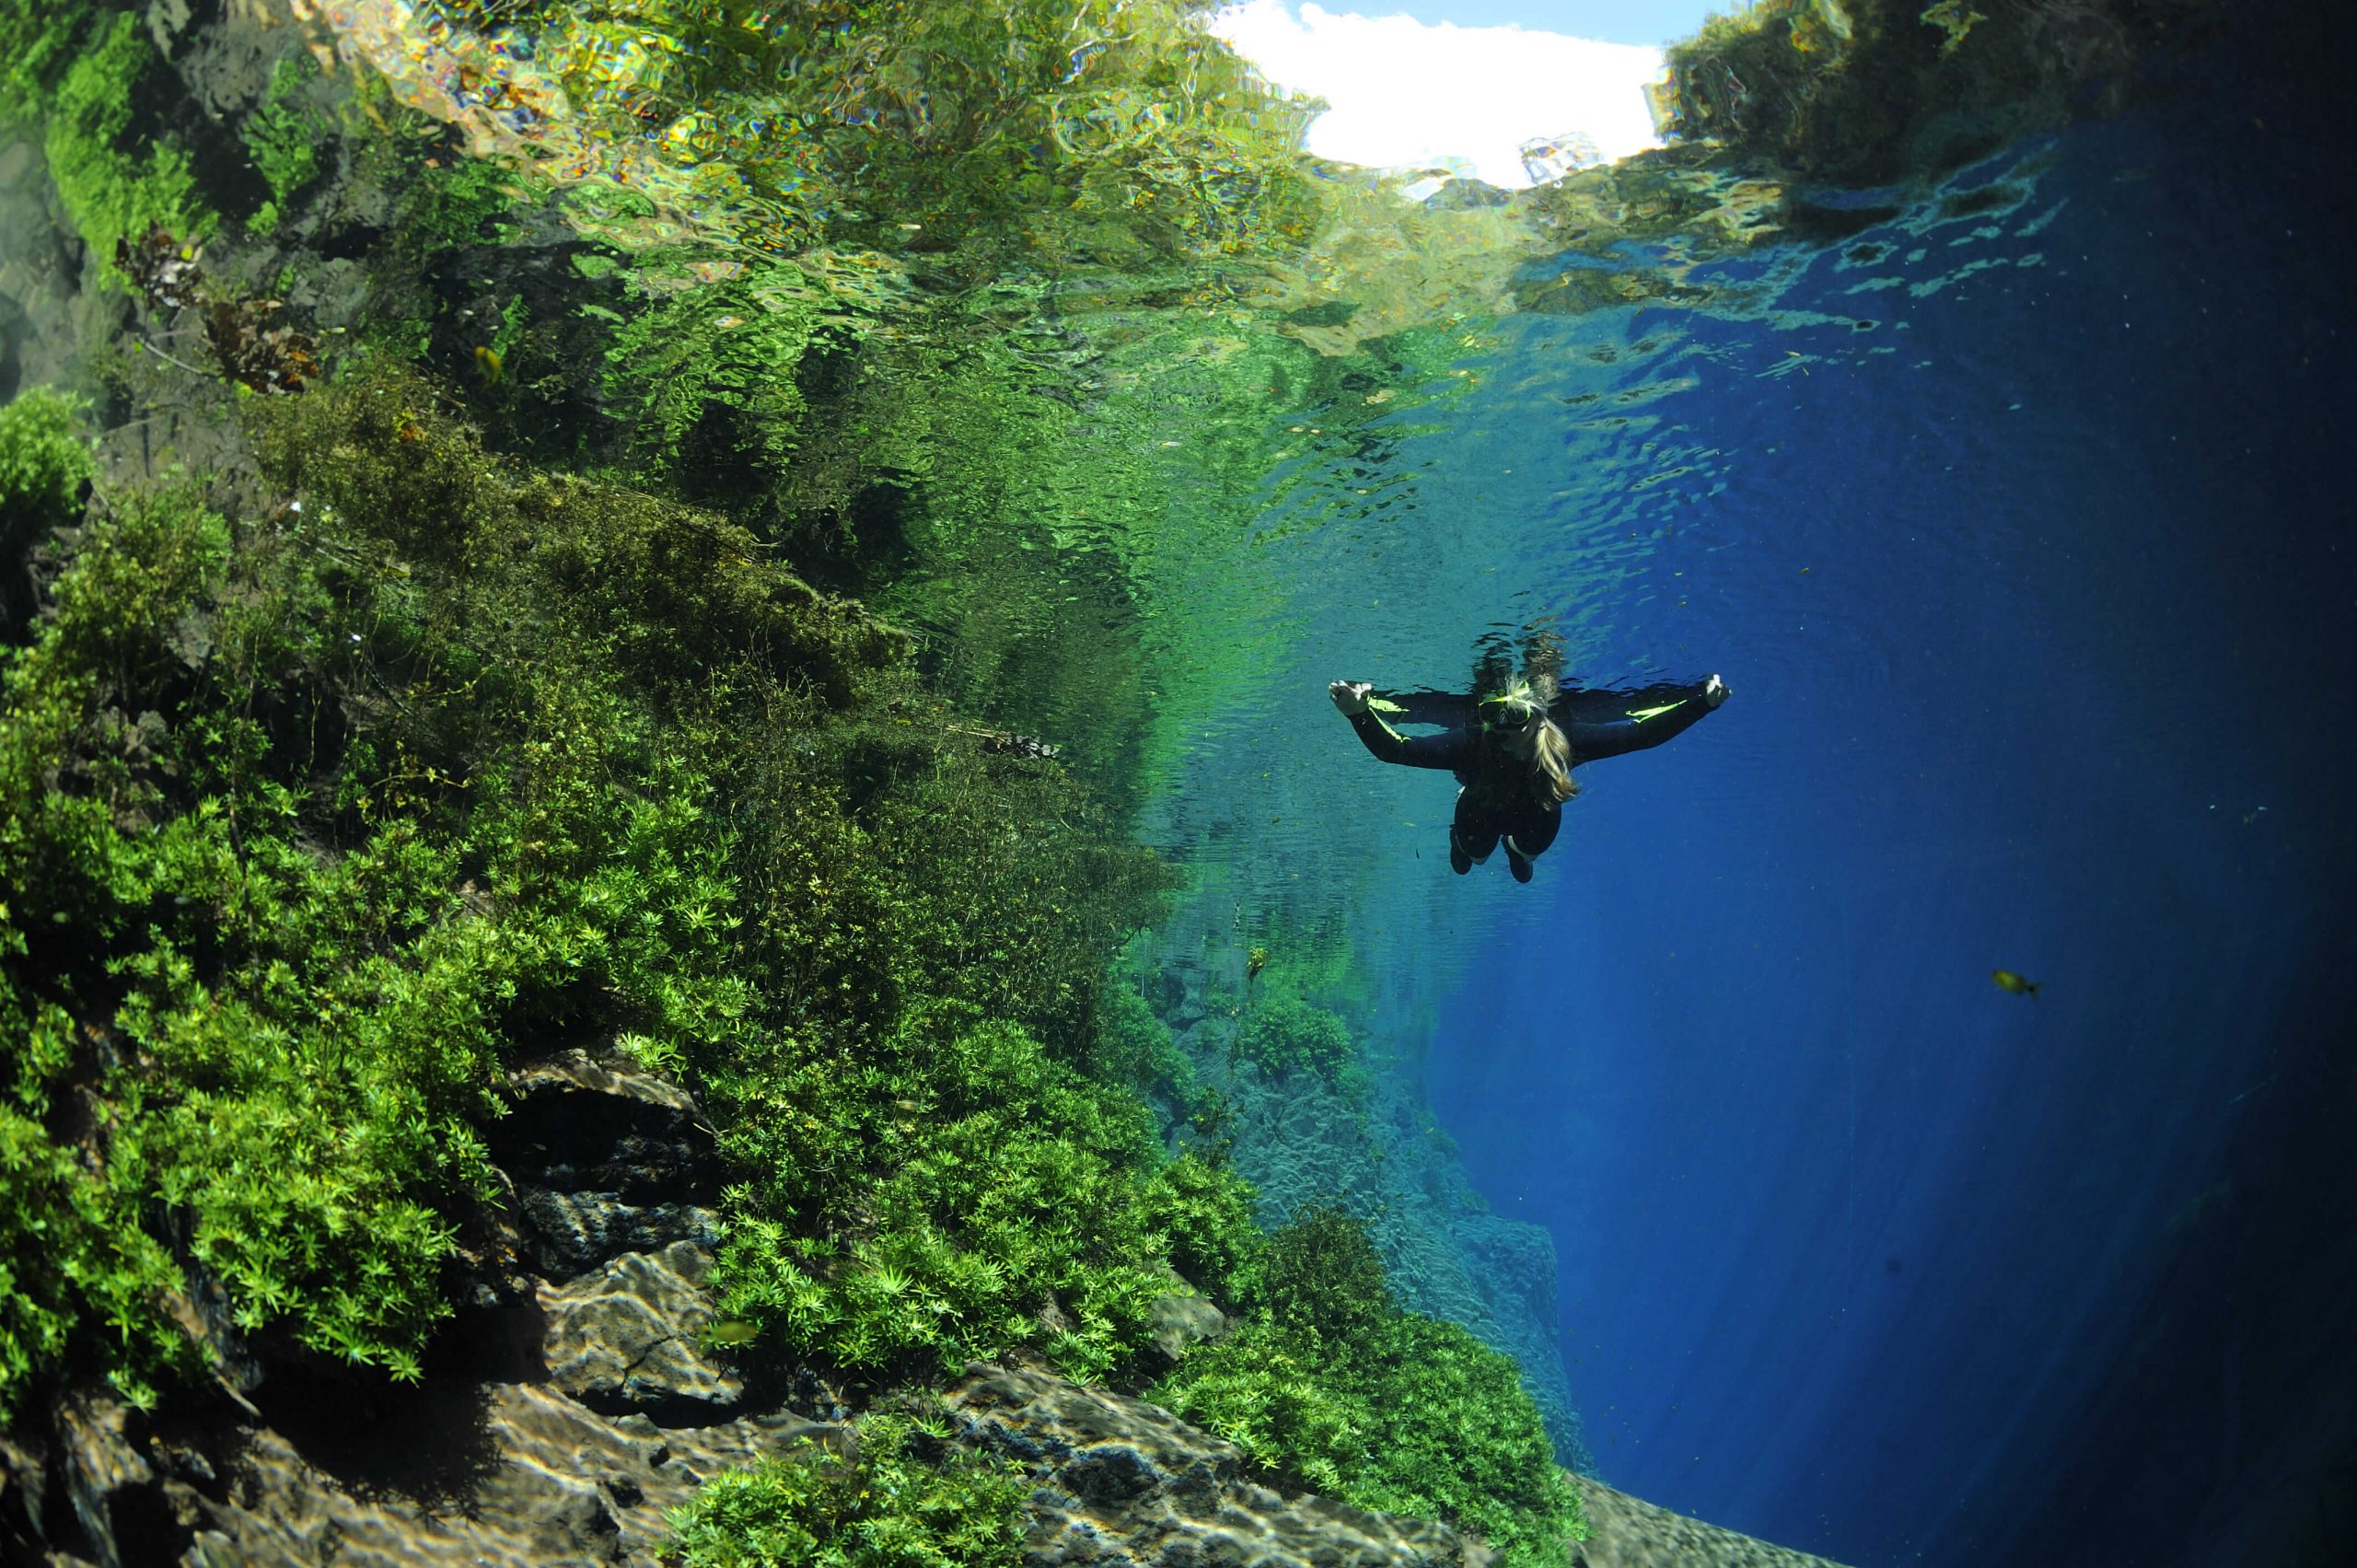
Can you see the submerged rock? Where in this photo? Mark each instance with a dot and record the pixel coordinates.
(624, 1337)
(1627, 1533)
(1184, 1319)
(607, 1160)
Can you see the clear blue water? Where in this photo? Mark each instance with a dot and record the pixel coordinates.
(2022, 539)
(1842, 1223)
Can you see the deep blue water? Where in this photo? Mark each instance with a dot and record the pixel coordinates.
(2039, 625)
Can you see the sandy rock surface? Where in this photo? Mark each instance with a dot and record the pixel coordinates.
(1626, 1532)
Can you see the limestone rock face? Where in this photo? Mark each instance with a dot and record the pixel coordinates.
(625, 1335)
(606, 1160)
(565, 1413)
(552, 1483)
(101, 1465)
(1184, 1319)
(1627, 1533)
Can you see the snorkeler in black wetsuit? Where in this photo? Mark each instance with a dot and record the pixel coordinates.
(1513, 753)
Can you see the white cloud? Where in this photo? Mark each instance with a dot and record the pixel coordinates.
(1408, 93)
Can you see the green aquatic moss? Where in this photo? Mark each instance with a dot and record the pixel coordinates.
(1135, 1049)
(114, 178)
(889, 1493)
(44, 464)
(39, 41)
(1330, 1385)
(321, 818)
(216, 1069)
(1283, 1035)
(996, 1200)
(285, 134)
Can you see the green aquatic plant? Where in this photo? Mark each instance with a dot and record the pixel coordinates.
(1330, 1385)
(994, 1199)
(212, 1062)
(1283, 1035)
(1290, 1416)
(1135, 1049)
(886, 1493)
(116, 175)
(285, 134)
(310, 820)
(1322, 1283)
(39, 42)
(44, 464)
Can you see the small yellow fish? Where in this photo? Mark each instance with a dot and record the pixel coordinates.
(2014, 983)
(487, 362)
(730, 1332)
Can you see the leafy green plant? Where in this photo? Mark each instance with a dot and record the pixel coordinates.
(284, 136)
(113, 181)
(1283, 1035)
(1000, 1199)
(1330, 1385)
(39, 41)
(1135, 1049)
(1322, 1283)
(43, 463)
(43, 467)
(288, 1091)
(885, 1494)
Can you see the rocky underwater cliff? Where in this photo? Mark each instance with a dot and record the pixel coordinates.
(577, 1403)
(576, 981)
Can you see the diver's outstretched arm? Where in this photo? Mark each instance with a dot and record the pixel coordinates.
(1387, 743)
(1445, 710)
(1608, 723)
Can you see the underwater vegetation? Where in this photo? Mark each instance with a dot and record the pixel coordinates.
(1331, 1384)
(902, 1496)
(319, 816)
(312, 818)
(1283, 1035)
(85, 75)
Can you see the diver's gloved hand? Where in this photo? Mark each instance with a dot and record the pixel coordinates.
(1349, 696)
(1714, 690)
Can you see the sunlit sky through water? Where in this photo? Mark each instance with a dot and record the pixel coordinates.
(1470, 80)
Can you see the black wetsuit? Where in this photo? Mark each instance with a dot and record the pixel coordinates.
(1498, 799)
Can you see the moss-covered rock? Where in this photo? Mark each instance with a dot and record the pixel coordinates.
(1331, 1384)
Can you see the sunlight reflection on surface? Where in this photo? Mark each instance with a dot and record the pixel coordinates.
(1407, 93)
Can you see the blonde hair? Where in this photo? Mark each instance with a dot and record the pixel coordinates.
(1550, 755)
